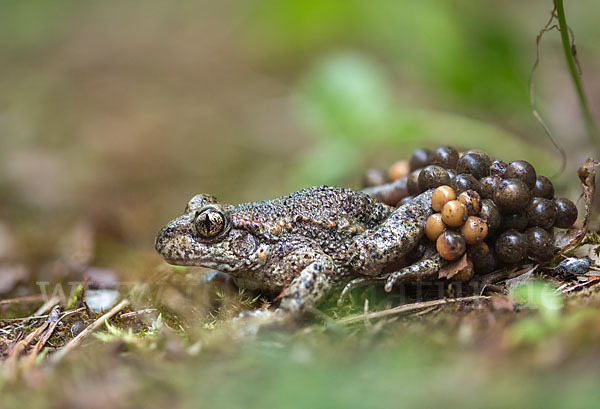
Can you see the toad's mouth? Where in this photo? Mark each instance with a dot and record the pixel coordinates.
(182, 250)
(228, 267)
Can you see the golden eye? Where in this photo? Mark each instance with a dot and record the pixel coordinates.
(209, 223)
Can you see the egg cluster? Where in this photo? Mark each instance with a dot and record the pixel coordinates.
(460, 213)
(497, 213)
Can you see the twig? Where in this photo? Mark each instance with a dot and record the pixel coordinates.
(493, 277)
(138, 312)
(426, 311)
(64, 314)
(37, 317)
(77, 340)
(410, 307)
(29, 360)
(47, 305)
(29, 298)
(16, 349)
(33, 317)
(44, 332)
(590, 283)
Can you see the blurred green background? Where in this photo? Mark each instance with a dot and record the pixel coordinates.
(118, 112)
(113, 114)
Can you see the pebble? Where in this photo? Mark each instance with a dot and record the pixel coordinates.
(573, 266)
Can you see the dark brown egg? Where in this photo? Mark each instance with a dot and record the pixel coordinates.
(488, 186)
(444, 156)
(487, 263)
(541, 212)
(451, 245)
(412, 183)
(474, 163)
(521, 170)
(442, 195)
(452, 174)
(474, 230)
(490, 213)
(543, 187)
(432, 176)
(463, 182)
(478, 251)
(512, 195)
(419, 159)
(566, 212)
(515, 221)
(511, 247)
(498, 168)
(471, 200)
(540, 244)
(454, 213)
(434, 226)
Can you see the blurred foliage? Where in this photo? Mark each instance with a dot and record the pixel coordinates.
(542, 296)
(468, 53)
(346, 103)
(348, 97)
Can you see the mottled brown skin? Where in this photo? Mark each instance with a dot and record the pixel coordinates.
(300, 245)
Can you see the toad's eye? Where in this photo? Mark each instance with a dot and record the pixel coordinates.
(209, 223)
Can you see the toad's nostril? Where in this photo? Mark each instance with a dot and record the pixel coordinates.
(163, 235)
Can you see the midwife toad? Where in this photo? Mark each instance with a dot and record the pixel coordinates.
(300, 245)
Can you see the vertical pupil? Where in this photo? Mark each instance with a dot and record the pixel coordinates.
(207, 223)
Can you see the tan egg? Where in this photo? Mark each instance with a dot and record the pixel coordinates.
(434, 226)
(398, 170)
(471, 200)
(474, 230)
(441, 196)
(454, 213)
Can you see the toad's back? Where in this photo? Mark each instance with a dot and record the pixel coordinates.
(322, 213)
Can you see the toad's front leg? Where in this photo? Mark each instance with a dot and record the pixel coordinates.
(311, 284)
(313, 274)
(392, 239)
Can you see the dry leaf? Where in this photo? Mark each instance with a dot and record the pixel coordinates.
(452, 269)
(572, 237)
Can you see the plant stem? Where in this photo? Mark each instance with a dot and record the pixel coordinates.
(566, 43)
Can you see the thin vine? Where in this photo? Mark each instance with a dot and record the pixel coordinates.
(536, 114)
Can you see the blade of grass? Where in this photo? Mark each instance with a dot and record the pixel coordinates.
(568, 48)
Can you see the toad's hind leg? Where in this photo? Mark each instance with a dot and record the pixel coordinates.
(425, 269)
(393, 238)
